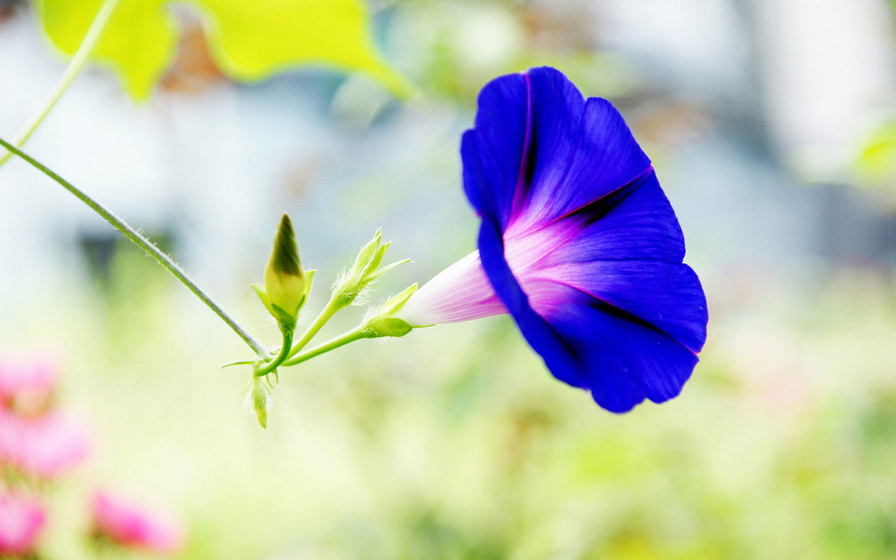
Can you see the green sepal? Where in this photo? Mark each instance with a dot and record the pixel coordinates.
(285, 320)
(387, 268)
(309, 276)
(387, 326)
(367, 252)
(394, 304)
(240, 363)
(262, 294)
(375, 260)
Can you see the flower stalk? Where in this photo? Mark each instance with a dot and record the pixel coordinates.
(265, 368)
(356, 333)
(365, 270)
(146, 246)
(334, 306)
(376, 327)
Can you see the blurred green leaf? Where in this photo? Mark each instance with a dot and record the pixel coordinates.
(876, 162)
(249, 41)
(138, 43)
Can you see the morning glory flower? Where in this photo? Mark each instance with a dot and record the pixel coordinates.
(577, 242)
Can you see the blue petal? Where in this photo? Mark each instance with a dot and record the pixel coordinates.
(584, 150)
(667, 296)
(496, 148)
(589, 344)
(635, 222)
(536, 330)
(550, 151)
(627, 318)
(624, 359)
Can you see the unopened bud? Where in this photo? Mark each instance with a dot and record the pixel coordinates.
(258, 399)
(284, 278)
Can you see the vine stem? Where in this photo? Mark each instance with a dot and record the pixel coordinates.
(356, 333)
(333, 306)
(146, 245)
(71, 71)
(288, 331)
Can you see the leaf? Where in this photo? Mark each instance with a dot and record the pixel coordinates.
(253, 40)
(249, 40)
(139, 41)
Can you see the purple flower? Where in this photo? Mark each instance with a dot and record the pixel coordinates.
(578, 243)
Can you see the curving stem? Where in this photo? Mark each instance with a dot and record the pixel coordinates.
(147, 246)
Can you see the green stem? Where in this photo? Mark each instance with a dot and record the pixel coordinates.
(71, 71)
(356, 333)
(333, 306)
(146, 245)
(288, 332)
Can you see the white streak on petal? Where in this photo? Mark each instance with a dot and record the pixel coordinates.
(461, 292)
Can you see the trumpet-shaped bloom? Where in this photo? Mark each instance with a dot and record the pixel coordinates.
(578, 243)
(21, 521)
(45, 446)
(134, 526)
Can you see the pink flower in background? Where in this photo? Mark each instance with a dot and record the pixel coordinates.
(26, 382)
(21, 521)
(134, 526)
(46, 446)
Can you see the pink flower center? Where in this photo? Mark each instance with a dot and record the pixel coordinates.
(462, 291)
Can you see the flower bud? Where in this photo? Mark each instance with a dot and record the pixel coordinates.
(365, 270)
(367, 253)
(258, 400)
(284, 278)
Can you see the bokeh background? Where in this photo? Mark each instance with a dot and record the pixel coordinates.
(772, 125)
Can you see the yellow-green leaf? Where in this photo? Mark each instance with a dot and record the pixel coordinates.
(138, 42)
(250, 40)
(253, 40)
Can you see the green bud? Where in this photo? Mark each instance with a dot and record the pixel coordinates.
(388, 326)
(376, 259)
(258, 400)
(365, 270)
(362, 261)
(284, 279)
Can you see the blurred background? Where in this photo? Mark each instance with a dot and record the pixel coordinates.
(772, 126)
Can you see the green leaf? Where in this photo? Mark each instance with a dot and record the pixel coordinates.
(253, 40)
(249, 41)
(139, 41)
